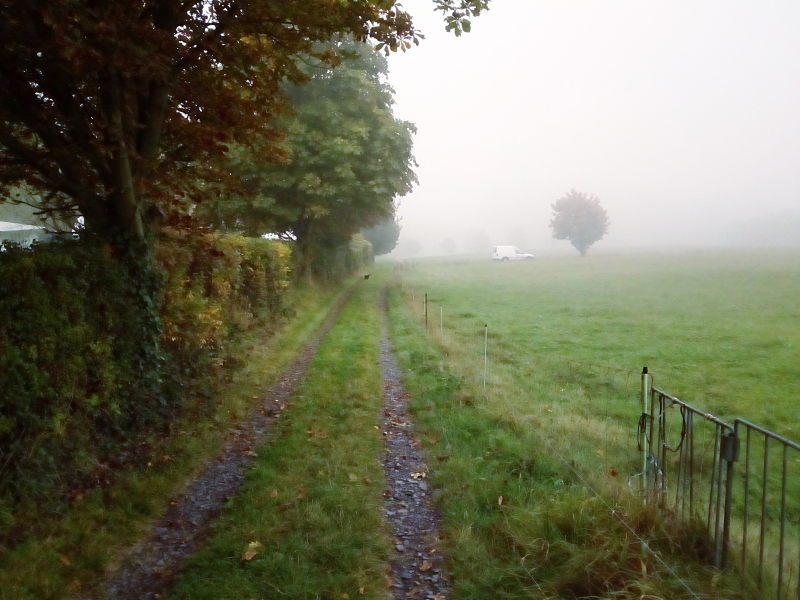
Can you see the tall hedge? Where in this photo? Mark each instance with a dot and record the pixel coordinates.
(215, 286)
(70, 405)
(337, 262)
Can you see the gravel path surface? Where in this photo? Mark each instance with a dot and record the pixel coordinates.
(149, 570)
(416, 561)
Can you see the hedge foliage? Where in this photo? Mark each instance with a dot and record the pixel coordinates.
(70, 409)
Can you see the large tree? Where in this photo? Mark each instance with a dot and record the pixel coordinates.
(347, 159)
(117, 110)
(579, 218)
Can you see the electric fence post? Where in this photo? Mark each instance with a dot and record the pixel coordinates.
(485, 353)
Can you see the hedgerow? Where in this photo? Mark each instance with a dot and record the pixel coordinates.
(72, 403)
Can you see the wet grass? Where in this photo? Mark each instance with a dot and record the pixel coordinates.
(66, 555)
(567, 339)
(311, 507)
(720, 330)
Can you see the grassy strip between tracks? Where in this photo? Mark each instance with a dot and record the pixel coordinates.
(308, 521)
(518, 521)
(64, 556)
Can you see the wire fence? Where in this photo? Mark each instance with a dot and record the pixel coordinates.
(740, 482)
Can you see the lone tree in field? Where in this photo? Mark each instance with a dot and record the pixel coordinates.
(579, 218)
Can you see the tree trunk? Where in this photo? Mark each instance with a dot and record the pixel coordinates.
(304, 251)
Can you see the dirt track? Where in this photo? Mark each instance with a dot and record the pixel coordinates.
(417, 563)
(149, 569)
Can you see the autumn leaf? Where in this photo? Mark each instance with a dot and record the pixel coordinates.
(426, 566)
(251, 550)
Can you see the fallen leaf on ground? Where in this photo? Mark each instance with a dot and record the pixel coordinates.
(251, 550)
(273, 494)
(352, 477)
(426, 565)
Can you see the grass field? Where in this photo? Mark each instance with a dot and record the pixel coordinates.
(720, 330)
(567, 339)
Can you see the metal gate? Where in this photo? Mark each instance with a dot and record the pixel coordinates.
(748, 504)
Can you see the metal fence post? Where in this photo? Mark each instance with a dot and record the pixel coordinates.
(730, 454)
(646, 425)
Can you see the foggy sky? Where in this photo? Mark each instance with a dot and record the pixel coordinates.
(681, 116)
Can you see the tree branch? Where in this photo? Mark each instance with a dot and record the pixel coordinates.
(50, 171)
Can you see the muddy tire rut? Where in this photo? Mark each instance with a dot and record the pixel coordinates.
(416, 570)
(149, 569)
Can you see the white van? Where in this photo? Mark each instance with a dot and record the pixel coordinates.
(21, 234)
(509, 253)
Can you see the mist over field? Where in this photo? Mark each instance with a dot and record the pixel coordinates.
(681, 117)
